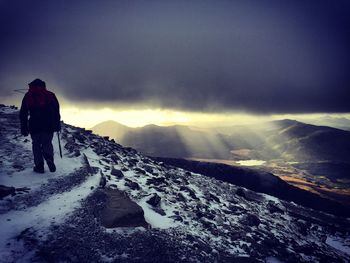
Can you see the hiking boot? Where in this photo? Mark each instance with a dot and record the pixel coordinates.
(52, 166)
(38, 169)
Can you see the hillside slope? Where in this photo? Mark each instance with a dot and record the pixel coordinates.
(297, 141)
(262, 182)
(189, 218)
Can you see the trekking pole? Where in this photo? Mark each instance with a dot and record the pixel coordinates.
(59, 143)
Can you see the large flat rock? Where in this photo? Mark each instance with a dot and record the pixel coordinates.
(121, 211)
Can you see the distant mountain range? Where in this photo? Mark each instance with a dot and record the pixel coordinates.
(292, 140)
(335, 122)
(285, 139)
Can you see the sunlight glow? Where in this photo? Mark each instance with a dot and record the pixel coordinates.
(133, 118)
(89, 114)
(88, 117)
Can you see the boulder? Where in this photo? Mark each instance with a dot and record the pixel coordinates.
(240, 192)
(155, 181)
(250, 220)
(115, 158)
(273, 208)
(117, 173)
(121, 211)
(132, 185)
(154, 200)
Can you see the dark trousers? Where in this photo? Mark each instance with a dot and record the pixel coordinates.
(42, 148)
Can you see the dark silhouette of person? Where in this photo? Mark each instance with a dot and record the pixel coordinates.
(42, 107)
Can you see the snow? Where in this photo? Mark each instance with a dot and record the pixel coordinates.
(273, 260)
(338, 244)
(32, 180)
(52, 211)
(154, 219)
(271, 198)
(8, 110)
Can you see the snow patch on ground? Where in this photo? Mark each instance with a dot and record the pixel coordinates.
(271, 198)
(32, 180)
(338, 244)
(273, 260)
(154, 219)
(53, 211)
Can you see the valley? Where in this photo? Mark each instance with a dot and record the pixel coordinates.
(336, 190)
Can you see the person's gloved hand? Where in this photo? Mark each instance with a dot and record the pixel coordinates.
(58, 127)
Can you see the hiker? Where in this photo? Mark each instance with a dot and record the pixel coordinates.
(44, 119)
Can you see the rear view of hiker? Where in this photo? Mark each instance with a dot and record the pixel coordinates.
(42, 107)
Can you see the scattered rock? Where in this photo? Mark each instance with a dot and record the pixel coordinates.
(209, 214)
(273, 208)
(139, 170)
(81, 138)
(6, 190)
(177, 218)
(302, 227)
(155, 181)
(115, 158)
(117, 173)
(240, 192)
(250, 220)
(148, 168)
(199, 214)
(189, 191)
(103, 181)
(18, 167)
(154, 200)
(214, 197)
(132, 185)
(181, 198)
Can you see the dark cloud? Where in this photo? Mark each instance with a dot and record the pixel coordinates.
(258, 56)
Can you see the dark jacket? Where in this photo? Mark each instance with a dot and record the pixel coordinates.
(43, 109)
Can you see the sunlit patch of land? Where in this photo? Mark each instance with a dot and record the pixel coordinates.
(230, 162)
(313, 183)
(251, 162)
(337, 194)
(319, 185)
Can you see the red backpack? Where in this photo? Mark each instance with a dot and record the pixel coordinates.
(38, 97)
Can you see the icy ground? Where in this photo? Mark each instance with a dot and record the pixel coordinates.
(54, 217)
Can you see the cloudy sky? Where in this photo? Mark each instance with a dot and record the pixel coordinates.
(259, 57)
